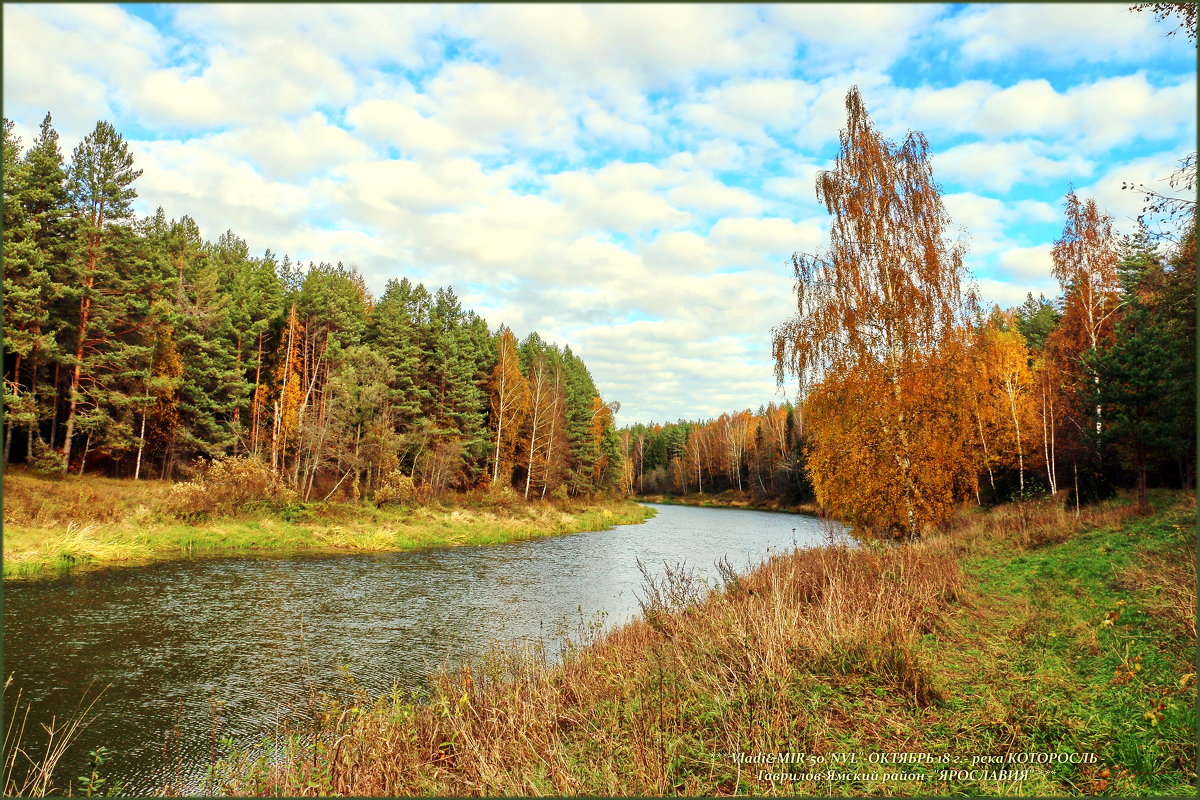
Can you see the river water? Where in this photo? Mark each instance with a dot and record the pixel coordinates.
(176, 647)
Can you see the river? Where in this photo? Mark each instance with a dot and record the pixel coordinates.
(177, 646)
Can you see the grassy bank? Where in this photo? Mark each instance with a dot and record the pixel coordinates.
(731, 499)
(1021, 630)
(56, 525)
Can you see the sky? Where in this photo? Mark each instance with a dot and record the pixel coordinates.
(628, 180)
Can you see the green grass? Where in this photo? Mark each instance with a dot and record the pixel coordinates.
(1054, 650)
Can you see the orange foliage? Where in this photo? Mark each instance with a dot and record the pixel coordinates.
(879, 317)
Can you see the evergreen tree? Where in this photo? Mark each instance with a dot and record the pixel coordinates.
(1035, 320)
(100, 184)
(1142, 390)
(395, 330)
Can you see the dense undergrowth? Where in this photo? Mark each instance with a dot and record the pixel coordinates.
(1025, 629)
(52, 525)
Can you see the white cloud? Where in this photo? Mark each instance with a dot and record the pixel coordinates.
(290, 150)
(1056, 32)
(493, 110)
(397, 123)
(746, 109)
(764, 240)
(607, 48)
(841, 35)
(1006, 294)
(1125, 205)
(357, 32)
(704, 193)
(271, 76)
(1028, 263)
(999, 166)
(620, 196)
(415, 186)
(51, 63)
(681, 251)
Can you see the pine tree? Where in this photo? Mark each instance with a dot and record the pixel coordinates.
(100, 184)
(396, 330)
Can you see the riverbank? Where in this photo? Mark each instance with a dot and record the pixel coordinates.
(55, 525)
(731, 499)
(1026, 651)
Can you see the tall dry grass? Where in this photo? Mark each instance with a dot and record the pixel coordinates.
(1167, 585)
(49, 502)
(29, 770)
(649, 708)
(1030, 524)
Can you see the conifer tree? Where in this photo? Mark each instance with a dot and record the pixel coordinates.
(100, 182)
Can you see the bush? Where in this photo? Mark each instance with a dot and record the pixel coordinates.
(502, 496)
(45, 461)
(229, 485)
(396, 488)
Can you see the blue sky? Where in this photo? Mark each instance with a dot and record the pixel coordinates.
(629, 180)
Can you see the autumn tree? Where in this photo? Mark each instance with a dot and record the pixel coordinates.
(543, 432)
(509, 402)
(1003, 395)
(1085, 264)
(874, 315)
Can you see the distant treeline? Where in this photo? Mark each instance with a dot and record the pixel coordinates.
(135, 347)
(761, 453)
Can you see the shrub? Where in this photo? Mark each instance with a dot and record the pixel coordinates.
(396, 488)
(45, 461)
(503, 495)
(228, 485)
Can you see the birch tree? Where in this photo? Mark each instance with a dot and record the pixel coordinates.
(874, 311)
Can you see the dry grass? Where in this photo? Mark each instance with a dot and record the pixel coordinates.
(29, 771)
(1166, 582)
(48, 502)
(57, 525)
(650, 707)
(1030, 525)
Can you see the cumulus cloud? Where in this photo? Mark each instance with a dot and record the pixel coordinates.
(1001, 165)
(605, 48)
(1028, 263)
(628, 180)
(359, 33)
(1124, 205)
(1057, 32)
(51, 64)
(839, 36)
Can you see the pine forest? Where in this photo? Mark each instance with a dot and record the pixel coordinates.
(135, 348)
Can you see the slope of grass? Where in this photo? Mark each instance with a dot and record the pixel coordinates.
(56, 525)
(1024, 630)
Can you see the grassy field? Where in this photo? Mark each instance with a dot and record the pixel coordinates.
(56, 525)
(1027, 651)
